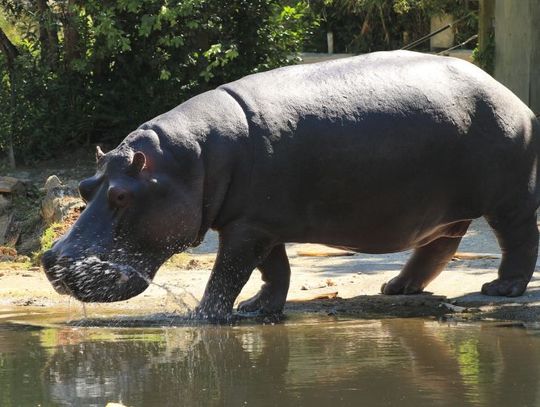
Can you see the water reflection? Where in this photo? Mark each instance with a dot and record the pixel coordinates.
(198, 366)
(304, 362)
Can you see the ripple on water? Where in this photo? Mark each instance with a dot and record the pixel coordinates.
(305, 360)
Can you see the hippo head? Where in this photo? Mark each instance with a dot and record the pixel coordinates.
(142, 205)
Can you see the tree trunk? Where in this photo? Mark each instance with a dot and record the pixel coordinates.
(48, 34)
(366, 24)
(386, 33)
(10, 52)
(486, 17)
(71, 33)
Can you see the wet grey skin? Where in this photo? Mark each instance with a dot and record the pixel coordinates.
(378, 153)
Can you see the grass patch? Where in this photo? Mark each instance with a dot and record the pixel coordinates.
(53, 232)
(50, 235)
(46, 240)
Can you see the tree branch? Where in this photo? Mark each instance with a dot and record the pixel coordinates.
(48, 33)
(9, 50)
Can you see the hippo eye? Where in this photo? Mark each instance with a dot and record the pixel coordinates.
(118, 196)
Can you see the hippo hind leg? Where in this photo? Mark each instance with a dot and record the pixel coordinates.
(426, 263)
(276, 273)
(518, 239)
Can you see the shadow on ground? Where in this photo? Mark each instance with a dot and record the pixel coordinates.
(471, 306)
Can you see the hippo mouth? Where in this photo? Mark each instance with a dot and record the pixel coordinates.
(94, 280)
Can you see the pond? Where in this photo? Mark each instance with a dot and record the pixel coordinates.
(303, 361)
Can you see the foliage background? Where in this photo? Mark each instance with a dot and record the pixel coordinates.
(94, 70)
(361, 26)
(90, 71)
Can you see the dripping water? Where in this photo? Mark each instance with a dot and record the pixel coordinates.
(179, 300)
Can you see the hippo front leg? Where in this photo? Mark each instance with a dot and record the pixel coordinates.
(241, 250)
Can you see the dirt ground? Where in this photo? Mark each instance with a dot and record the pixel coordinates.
(332, 284)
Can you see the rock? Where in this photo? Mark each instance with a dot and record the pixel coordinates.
(5, 258)
(60, 200)
(8, 251)
(11, 185)
(306, 287)
(52, 182)
(5, 204)
(13, 233)
(5, 227)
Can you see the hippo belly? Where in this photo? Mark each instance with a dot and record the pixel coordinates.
(341, 189)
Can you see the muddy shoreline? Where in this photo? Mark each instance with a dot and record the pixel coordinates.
(324, 281)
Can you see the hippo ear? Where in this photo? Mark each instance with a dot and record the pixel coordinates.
(99, 153)
(139, 161)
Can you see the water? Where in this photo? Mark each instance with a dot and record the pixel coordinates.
(185, 300)
(305, 361)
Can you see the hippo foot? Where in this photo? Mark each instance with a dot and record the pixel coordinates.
(508, 288)
(214, 314)
(399, 285)
(263, 303)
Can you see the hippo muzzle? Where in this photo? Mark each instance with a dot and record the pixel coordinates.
(91, 279)
(91, 264)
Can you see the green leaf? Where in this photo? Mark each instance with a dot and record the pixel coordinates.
(147, 24)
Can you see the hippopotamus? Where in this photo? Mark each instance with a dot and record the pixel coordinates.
(377, 153)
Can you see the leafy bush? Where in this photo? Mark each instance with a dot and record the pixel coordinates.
(91, 71)
(373, 25)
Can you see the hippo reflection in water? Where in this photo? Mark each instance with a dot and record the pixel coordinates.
(378, 153)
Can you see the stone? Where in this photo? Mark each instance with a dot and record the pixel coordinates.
(11, 185)
(5, 223)
(5, 204)
(60, 199)
(52, 182)
(8, 251)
